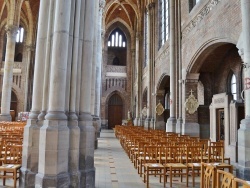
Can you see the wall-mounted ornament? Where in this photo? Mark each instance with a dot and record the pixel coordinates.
(159, 109)
(191, 103)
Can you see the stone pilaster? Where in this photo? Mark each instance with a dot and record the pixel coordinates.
(244, 131)
(190, 124)
(11, 31)
(171, 123)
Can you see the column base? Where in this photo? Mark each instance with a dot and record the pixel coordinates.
(97, 126)
(74, 139)
(88, 178)
(152, 123)
(147, 123)
(179, 126)
(30, 154)
(86, 155)
(4, 117)
(137, 122)
(27, 178)
(192, 129)
(171, 125)
(244, 149)
(60, 180)
(243, 172)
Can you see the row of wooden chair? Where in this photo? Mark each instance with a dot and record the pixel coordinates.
(168, 154)
(11, 140)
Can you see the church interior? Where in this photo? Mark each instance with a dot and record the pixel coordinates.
(71, 70)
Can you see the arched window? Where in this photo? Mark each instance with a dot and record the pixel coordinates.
(117, 39)
(20, 34)
(163, 21)
(233, 87)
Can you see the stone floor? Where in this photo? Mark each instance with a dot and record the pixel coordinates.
(115, 170)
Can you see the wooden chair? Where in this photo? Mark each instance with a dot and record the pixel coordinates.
(174, 163)
(11, 163)
(224, 179)
(208, 179)
(216, 154)
(237, 182)
(152, 165)
(194, 160)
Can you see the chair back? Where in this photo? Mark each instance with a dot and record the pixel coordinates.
(208, 178)
(224, 179)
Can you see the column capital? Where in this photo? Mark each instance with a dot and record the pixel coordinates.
(11, 30)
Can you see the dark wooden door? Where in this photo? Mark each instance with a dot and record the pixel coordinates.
(115, 115)
(115, 111)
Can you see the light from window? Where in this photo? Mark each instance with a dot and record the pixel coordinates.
(120, 40)
(19, 36)
(233, 87)
(117, 39)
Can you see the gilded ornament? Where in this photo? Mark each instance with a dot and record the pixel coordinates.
(191, 103)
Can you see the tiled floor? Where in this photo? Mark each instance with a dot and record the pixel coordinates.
(115, 170)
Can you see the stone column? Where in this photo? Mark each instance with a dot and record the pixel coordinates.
(94, 59)
(32, 130)
(244, 131)
(54, 134)
(8, 72)
(87, 131)
(138, 79)
(149, 52)
(179, 70)
(190, 120)
(98, 78)
(171, 123)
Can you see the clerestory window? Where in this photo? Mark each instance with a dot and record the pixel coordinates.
(164, 21)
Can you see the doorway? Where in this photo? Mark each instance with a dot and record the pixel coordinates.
(220, 124)
(115, 111)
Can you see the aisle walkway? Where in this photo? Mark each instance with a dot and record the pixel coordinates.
(115, 170)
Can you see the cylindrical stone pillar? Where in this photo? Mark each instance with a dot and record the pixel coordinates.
(32, 130)
(54, 134)
(171, 123)
(8, 72)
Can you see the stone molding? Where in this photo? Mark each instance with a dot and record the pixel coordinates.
(112, 68)
(219, 100)
(197, 19)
